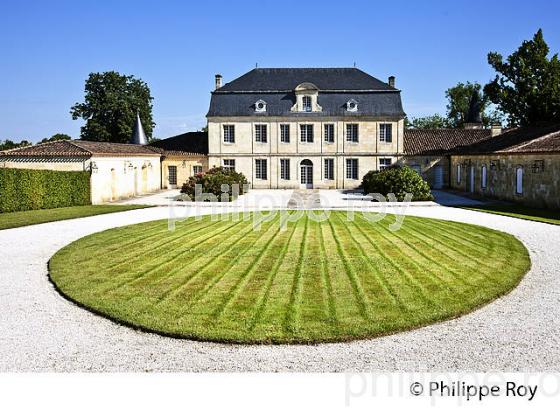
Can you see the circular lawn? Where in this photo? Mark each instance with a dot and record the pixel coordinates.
(333, 280)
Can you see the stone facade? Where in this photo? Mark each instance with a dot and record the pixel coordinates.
(185, 168)
(369, 150)
(433, 168)
(528, 179)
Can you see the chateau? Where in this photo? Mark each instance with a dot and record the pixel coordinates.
(305, 127)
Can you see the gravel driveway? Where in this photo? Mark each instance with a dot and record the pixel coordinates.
(41, 331)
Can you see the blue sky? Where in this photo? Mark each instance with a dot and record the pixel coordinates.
(49, 48)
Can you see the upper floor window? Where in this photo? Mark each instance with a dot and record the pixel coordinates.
(306, 132)
(229, 164)
(352, 105)
(306, 103)
(229, 134)
(352, 132)
(285, 133)
(260, 106)
(329, 133)
(384, 163)
(260, 133)
(386, 132)
(260, 169)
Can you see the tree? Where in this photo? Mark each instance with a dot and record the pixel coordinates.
(428, 122)
(527, 86)
(57, 137)
(110, 106)
(9, 144)
(458, 102)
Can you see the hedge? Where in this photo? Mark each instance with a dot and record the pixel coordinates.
(26, 189)
(211, 183)
(398, 181)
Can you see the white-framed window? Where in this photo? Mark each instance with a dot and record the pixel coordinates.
(197, 169)
(229, 134)
(228, 164)
(329, 168)
(352, 168)
(458, 173)
(386, 132)
(329, 133)
(260, 133)
(519, 180)
(352, 133)
(261, 169)
(285, 169)
(483, 177)
(285, 133)
(306, 132)
(306, 103)
(384, 163)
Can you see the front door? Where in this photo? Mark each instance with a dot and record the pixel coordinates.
(172, 169)
(306, 169)
(438, 177)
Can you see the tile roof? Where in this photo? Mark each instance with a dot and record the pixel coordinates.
(78, 148)
(286, 79)
(336, 87)
(189, 143)
(442, 140)
(543, 138)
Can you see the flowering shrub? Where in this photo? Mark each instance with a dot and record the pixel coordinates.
(399, 181)
(212, 181)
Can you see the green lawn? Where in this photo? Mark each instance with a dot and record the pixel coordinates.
(519, 211)
(314, 282)
(24, 218)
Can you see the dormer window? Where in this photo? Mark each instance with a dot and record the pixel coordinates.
(352, 105)
(260, 106)
(306, 103)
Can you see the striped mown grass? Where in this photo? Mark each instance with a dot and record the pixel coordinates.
(324, 281)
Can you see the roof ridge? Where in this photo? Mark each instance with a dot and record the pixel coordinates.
(542, 137)
(77, 146)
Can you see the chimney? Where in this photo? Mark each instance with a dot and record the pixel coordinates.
(495, 129)
(218, 81)
(391, 81)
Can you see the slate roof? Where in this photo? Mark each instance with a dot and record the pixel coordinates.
(336, 87)
(79, 148)
(441, 141)
(190, 143)
(535, 139)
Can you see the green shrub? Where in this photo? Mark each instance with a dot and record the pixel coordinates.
(212, 182)
(27, 189)
(399, 181)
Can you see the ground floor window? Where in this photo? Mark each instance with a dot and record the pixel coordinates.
(229, 164)
(384, 163)
(260, 169)
(519, 180)
(329, 168)
(285, 169)
(197, 169)
(458, 174)
(172, 169)
(483, 177)
(352, 168)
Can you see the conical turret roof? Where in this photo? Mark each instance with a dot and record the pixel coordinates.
(138, 135)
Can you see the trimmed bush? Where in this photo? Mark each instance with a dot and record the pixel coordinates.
(399, 181)
(212, 182)
(27, 189)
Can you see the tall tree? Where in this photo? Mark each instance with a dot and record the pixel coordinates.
(428, 122)
(9, 144)
(110, 106)
(57, 137)
(458, 102)
(527, 86)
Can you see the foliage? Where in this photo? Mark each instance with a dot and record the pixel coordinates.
(24, 189)
(110, 106)
(315, 281)
(399, 181)
(212, 182)
(428, 122)
(459, 98)
(9, 144)
(527, 84)
(57, 137)
(24, 218)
